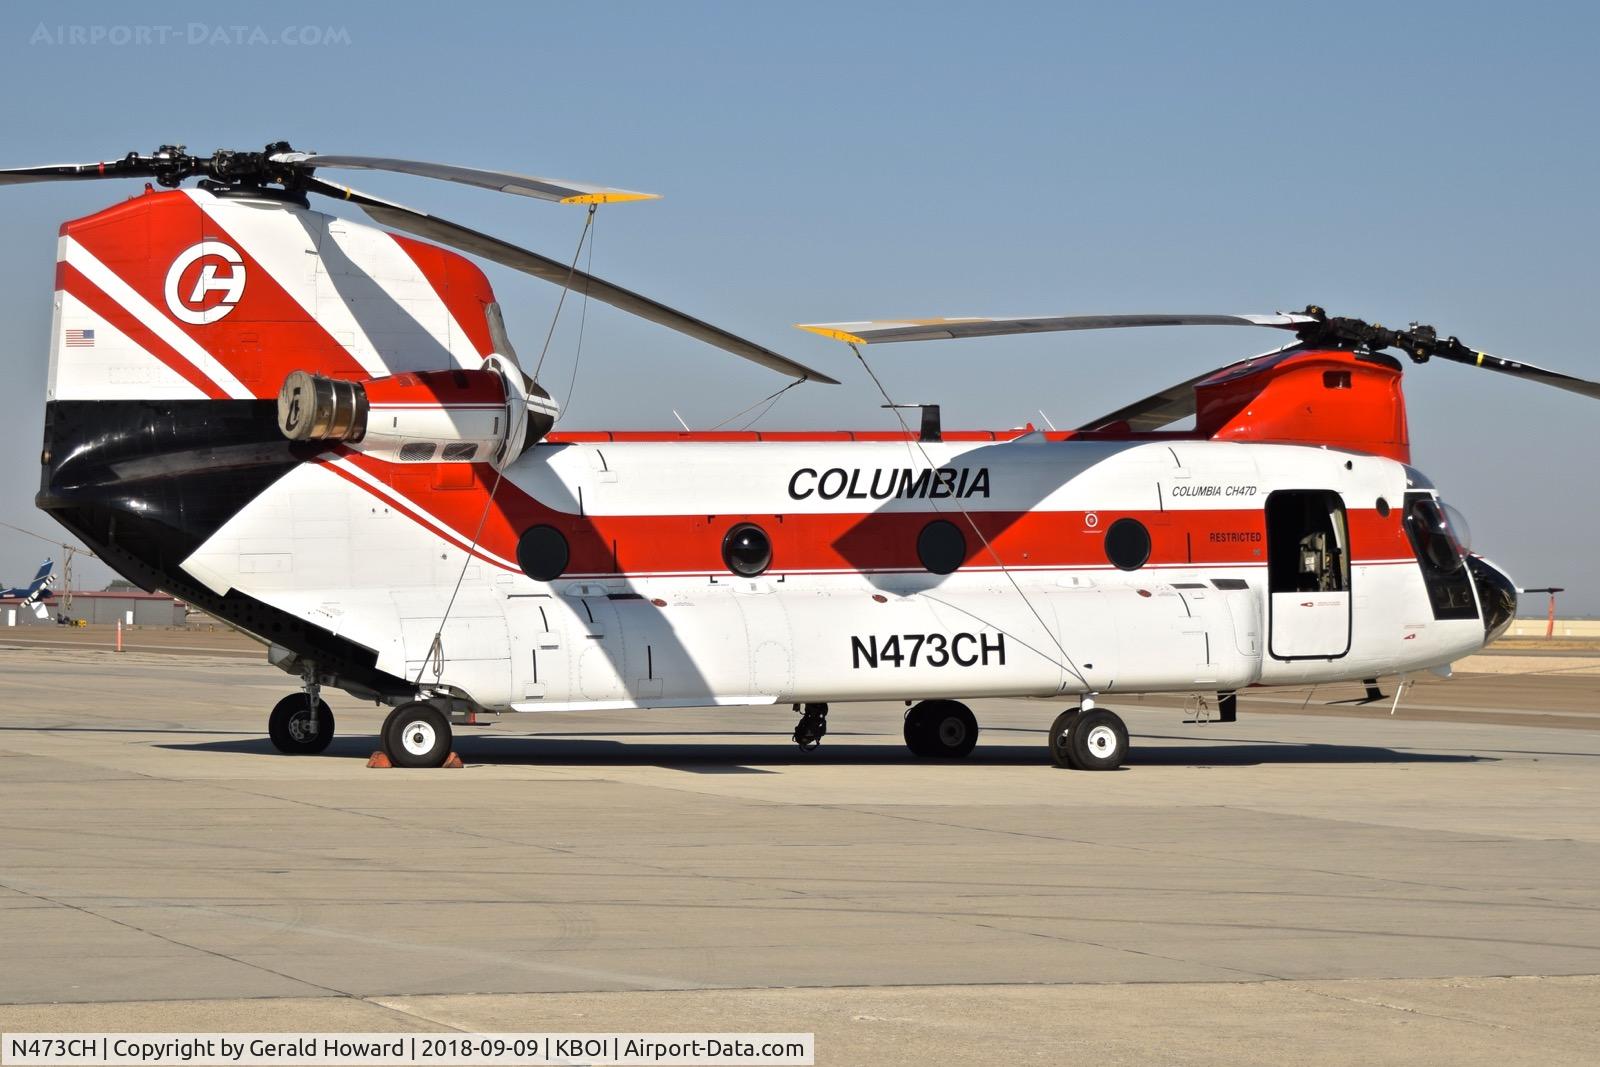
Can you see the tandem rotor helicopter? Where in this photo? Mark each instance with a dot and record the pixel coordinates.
(318, 431)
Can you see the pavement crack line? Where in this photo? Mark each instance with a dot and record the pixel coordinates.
(1368, 1002)
(134, 927)
(1258, 975)
(1232, 860)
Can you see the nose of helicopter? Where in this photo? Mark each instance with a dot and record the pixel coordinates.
(1497, 596)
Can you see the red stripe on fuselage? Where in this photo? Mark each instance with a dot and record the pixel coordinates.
(865, 541)
(845, 436)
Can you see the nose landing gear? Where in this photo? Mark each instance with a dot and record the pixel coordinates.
(812, 727)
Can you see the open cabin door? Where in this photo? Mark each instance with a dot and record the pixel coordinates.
(1308, 575)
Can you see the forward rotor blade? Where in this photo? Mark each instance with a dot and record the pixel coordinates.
(885, 330)
(1175, 401)
(554, 189)
(57, 172)
(474, 243)
(1527, 371)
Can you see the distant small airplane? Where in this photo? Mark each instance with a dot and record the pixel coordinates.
(36, 592)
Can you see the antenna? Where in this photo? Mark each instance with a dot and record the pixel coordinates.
(685, 425)
(931, 430)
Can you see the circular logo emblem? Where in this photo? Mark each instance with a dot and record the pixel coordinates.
(205, 282)
(1091, 520)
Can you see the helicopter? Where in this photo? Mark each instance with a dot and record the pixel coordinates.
(319, 431)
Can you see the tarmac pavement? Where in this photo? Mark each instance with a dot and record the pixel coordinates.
(1297, 887)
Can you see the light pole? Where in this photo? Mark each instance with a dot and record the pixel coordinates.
(1550, 623)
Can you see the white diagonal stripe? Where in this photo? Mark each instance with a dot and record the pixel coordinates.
(383, 490)
(398, 322)
(106, 280)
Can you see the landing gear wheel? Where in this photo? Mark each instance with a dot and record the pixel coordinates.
(1099, 741)
(383, 731)
(942, 729)
(292, 729)
(812, 727)
(1061, 737)
(417, 735)
(916, 732)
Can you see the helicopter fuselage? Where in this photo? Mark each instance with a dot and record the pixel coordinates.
(602, 570)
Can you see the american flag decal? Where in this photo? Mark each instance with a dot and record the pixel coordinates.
(80, 338)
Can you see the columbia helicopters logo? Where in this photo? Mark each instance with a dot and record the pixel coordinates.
(191, 294)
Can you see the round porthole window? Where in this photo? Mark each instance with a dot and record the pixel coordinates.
(1383, 508)
(542, 553)
(941, 546)
(1128, 544)
(747, 550)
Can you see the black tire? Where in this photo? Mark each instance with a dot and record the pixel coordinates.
(417, 735)
(915, 732)
(289, 726)
(383, 731)
(1061, 738)
(942, 729)
(1099, 741)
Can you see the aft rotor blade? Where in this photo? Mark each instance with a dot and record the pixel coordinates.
(555, 189)
(881, 331)
(506, 254)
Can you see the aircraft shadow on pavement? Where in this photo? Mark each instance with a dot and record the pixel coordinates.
(1247, 752)
(776, 751)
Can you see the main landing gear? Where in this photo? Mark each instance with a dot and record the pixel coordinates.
(417, 735)
(301, 724)
(941, 729)
(1089, 739)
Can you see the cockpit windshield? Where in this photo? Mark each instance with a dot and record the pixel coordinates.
(1432, 534)
(1456, 528)
(1441, 540)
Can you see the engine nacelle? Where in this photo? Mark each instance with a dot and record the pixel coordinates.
(489, 415)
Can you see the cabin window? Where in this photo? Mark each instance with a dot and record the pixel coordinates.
(747, 550)
(941, 546)
(1308, 542)
(542, 553)
(1128, 544)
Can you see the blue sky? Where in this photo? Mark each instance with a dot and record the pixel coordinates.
(820, 161)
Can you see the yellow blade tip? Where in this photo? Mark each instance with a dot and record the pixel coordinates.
(609, 198)
(834, 335)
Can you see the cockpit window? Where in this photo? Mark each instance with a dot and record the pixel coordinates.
(1430, 534)
(1438, 535)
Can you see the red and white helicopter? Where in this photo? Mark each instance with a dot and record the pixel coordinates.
(318, 431)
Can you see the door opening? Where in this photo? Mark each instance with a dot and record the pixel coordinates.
(1308, 574)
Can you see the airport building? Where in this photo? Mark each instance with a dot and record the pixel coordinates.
(130, 606)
